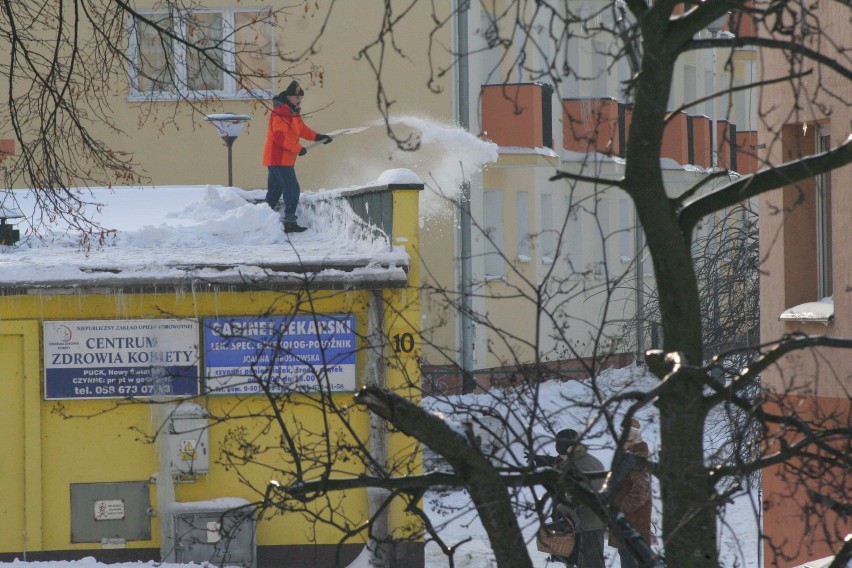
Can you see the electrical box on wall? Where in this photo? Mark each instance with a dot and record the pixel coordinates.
(110, 512)
(189, 441)
(220, 531)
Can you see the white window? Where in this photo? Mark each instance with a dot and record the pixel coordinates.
(495, 267)
(599, 71)
(739, 110)
(231, 54)
(522, 211)
(542, 47)
(602, 218)
(491, 51)
(572, 63)
(625, 230)
(690, 87)
(807, 232)
(547, 236)
(709, 88)
(574, 239)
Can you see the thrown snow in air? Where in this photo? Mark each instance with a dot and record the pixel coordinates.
(448, 156)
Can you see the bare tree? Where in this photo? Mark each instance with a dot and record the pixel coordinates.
(693, 383)
(693, 378)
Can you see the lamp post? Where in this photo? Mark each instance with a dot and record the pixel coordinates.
(228, 125)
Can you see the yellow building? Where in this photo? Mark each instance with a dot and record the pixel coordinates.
(154, 391)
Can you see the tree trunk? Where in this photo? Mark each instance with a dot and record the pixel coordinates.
(481, 479)
(689, 523)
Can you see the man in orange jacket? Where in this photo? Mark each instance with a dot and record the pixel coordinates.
(286, 128)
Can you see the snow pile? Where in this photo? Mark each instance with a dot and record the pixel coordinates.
(819, 311)
(167, 232)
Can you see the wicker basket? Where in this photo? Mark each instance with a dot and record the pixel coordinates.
(556, 538)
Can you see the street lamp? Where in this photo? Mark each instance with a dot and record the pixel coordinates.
(229, 126)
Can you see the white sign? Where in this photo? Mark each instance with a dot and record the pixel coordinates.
(120, 358)
(109, 510)
(213, 531)
(280, 354)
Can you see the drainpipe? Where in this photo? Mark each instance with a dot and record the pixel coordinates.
(638, 246)
(380, 550)
(468, 384)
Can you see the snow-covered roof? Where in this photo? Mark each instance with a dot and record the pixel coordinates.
(188, 236)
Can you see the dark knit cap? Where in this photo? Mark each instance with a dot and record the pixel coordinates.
(565, 439)
(294, 89)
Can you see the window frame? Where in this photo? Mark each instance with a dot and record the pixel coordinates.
(546, 235)
(522, 211)
(495, 261)
(823, 221)
(231, 89)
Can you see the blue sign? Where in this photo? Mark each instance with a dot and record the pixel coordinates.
(280, 354)
(120, 358)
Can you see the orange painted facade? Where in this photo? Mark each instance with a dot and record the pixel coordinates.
(512, 115)
(804, 228)
(801, 513)
(591, 125)
(675, 139)
(702, 141)
(746, 149)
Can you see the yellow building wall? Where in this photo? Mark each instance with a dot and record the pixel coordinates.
(47, 445)
(87, 441)
(173, 145)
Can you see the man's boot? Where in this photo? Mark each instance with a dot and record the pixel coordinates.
(293, 228)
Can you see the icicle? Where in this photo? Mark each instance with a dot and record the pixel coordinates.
(161, 413)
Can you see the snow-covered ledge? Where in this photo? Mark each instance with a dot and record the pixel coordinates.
(821, 311)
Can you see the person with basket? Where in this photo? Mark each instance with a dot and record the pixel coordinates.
(634, 497)
(570, 518)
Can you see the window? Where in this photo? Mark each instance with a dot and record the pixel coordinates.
(599, 69)
(547, 237)
(491, 53)
(494, 264)
(233, 59)
(823, 224)
(574, 238)
(571, 65)
(542, 48)
(625, 231)
(602, 218)
(522, 211)
(709, 88)
(690, 87)
(807, 231)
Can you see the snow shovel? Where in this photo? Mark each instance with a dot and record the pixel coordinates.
(340, 132)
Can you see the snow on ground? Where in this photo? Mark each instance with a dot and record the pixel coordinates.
(739, 546)
(451, 510)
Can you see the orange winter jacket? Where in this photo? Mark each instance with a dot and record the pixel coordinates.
(285, 130)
